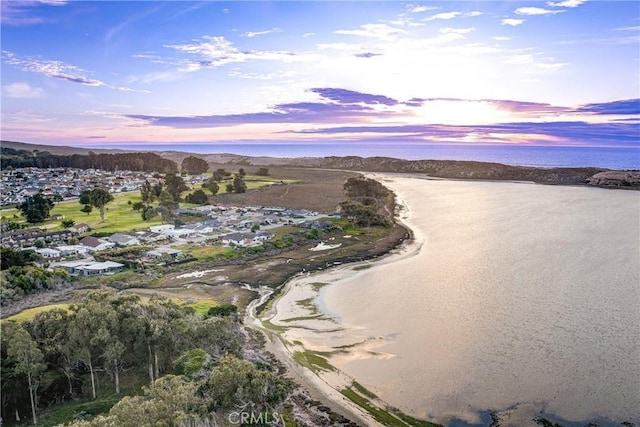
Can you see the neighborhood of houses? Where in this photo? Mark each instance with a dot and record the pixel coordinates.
(73, 250)
(69, 183)
(228, 226)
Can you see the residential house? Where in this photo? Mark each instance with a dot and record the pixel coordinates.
(79, 228)
(70, 250)
(121, 239)
(48, 253)
(88, 267)
(93, 244)
(161, 252)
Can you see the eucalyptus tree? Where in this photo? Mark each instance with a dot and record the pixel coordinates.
(28, 359)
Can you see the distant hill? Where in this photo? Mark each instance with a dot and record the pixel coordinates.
(448, 169)
(56, 149)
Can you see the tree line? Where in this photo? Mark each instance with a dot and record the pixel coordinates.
(144, 162)
(367, 202)
(194, 364)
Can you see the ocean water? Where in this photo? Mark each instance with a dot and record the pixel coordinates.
(513, 295)
(611, 158)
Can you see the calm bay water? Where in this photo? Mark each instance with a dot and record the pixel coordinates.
(519, 294)
(612, 158)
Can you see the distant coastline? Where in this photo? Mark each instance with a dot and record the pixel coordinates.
(618, 158)
(605, 177)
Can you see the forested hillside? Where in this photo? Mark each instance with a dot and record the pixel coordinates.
(193, 364)
(146, 162)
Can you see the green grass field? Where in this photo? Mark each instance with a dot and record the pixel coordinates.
(119, 216)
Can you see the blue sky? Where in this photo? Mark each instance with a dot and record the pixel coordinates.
(485, 72)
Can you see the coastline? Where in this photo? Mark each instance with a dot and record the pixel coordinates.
(302, 324)
(295, 324)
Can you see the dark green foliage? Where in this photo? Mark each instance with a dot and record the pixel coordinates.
(198, 197)
(137, 206)
(66, 223)
(194, 165)
(239, 186)
(174, 185)
(10, 257)
(223, 310)
(87, 209)
(36, 208)
(220, 174)
(211, 185)
(20, 281)
(97, 198)
(263, 172)
(365, 206)
(146, 162)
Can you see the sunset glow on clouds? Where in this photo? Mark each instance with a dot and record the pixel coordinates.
(548, 73)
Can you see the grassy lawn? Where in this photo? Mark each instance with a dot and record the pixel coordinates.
(30, 313)
(118, 215)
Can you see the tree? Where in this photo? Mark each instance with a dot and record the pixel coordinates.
(66, 223)
(220, 174)
(239, 186)
(211, 185)
(198, 197)
(137, 206)
(87, 209)
(194, 165)
(28, 357)
(36, 208)
(146, 191)
(10, 257)
(241, 173)
(98, 198)
(174, 185)
(229, 188)
(263, 172)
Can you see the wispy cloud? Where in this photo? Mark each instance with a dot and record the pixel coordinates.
(512, 21)
(624, 106)
(21, 12)
(449, 30)
(57, 70)
(216, 51)
(451, 15)
(413, 8)
(21, 90)
(379, 31)
(335, 106)
(262, 33)
(566, 3)
(532, 11)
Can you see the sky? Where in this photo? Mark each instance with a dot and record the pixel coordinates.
(553, 73)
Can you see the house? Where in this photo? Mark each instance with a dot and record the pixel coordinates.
(94, 244)
(88, 267)
(162, 228)
(238, 239)
(48, 253)
(69, 250)
(57, 217)
(121, 239)
(79, 228)
(149, 236)
(159, 253)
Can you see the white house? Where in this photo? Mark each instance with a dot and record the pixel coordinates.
(68, 250)
(48, 252)
(88, 268)
(161, 228)
(121, 239)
